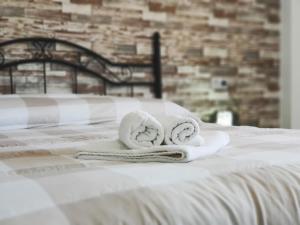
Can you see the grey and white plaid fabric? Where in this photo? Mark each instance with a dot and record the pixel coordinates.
(255, 180)
(27, 111)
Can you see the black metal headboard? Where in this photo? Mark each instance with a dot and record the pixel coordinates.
(42, 51)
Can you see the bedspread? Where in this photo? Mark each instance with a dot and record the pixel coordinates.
(254, 180)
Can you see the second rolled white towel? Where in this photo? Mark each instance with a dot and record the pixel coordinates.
(181, 130)
(140, 130)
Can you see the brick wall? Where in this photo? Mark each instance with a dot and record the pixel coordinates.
(237, 40)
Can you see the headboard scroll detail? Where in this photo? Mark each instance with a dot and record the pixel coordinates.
(41, 50)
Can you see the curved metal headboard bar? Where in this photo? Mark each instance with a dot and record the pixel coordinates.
(42, 53)
(67, 63)
(70, 44)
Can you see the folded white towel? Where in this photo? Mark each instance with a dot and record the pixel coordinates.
(180, 130)
(140, 130)
(214, 141)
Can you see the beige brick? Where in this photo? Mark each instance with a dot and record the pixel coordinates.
(218, 95)
(246, 70)
(187, 69)
(215, 52)
(155, 16)
(143, 49)
(269, 54)
(271, 26)
(139, 6)
(218, 22)
(77, 8)
(30, 67)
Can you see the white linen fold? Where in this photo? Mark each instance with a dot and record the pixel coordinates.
(139, 129)
(214, 141)
(180, 130)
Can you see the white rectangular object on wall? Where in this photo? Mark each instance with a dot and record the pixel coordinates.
(225, 118)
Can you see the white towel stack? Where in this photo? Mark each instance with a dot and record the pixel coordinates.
(143, 135)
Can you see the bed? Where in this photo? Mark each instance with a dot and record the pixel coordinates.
(253, 180)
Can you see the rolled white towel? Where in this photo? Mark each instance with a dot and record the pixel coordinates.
(181, 130)
(140, 130)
